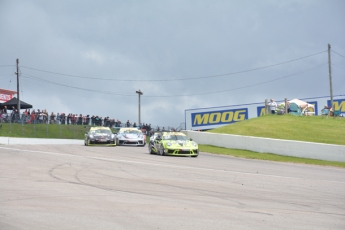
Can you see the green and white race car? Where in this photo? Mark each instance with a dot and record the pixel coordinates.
(173, 144)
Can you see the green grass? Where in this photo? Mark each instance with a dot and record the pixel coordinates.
(266, 156)
(44, 131)
(288, 127)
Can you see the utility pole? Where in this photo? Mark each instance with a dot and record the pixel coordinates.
(330, 73)
(139, 93)
(18, 103)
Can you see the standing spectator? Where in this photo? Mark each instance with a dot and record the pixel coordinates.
(128, 124)
(28, 117)
(97, 121)
(84, 120)
(69, 116)
(58, 118)
(87, 120)
(36, 116)
(13, 114)
(106, 122)
(80, 120)
(24, 116)
(272, 106)
(40, 118)
(46, 117)
(93, 120)
(112, 123)
(32, 117)
(134, 124)
(73, 119)
(52, 118)
(62, 118)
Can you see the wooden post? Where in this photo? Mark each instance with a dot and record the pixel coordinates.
(286, 106)
(266, 106)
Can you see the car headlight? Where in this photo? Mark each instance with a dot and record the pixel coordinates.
(112, 136)
(91, 136)
(168, 144)
(195, 144)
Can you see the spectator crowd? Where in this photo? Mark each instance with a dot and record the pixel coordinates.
(42, 117)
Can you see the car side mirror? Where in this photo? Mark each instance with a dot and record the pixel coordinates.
(190, 139)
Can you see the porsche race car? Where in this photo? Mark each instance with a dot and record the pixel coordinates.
(174, 144)
(100, 136)
(131, 137)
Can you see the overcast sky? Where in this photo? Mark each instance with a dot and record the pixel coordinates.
(90, 57)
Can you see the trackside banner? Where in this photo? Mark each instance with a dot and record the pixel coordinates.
(5, 97)
(214, 117)
(219, 117)
(338, 105)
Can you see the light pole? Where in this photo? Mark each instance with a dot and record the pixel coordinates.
(330, 74)
(18, 103)
(139, 93)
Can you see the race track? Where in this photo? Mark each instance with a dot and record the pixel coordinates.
(78, 187)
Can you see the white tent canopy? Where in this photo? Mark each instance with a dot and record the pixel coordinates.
(306, 108)
(301, 104)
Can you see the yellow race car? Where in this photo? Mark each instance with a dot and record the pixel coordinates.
(174, 144)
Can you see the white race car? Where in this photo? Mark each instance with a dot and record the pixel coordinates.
(131, 137)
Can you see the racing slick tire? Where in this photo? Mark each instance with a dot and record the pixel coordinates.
(149, 146)
(161, 151)
(87, 142)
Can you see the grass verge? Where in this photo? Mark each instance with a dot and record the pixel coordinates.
(288, 127)
(266, 156)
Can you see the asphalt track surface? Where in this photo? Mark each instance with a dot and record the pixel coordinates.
(79, 187)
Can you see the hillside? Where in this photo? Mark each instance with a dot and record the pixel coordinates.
(302, 128)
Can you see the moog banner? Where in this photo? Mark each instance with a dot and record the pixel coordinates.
(214, 117)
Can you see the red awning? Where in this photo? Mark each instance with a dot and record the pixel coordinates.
(7, 91)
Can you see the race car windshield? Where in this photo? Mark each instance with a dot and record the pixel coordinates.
(175, 138)
(132, 132)
(102, 132)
